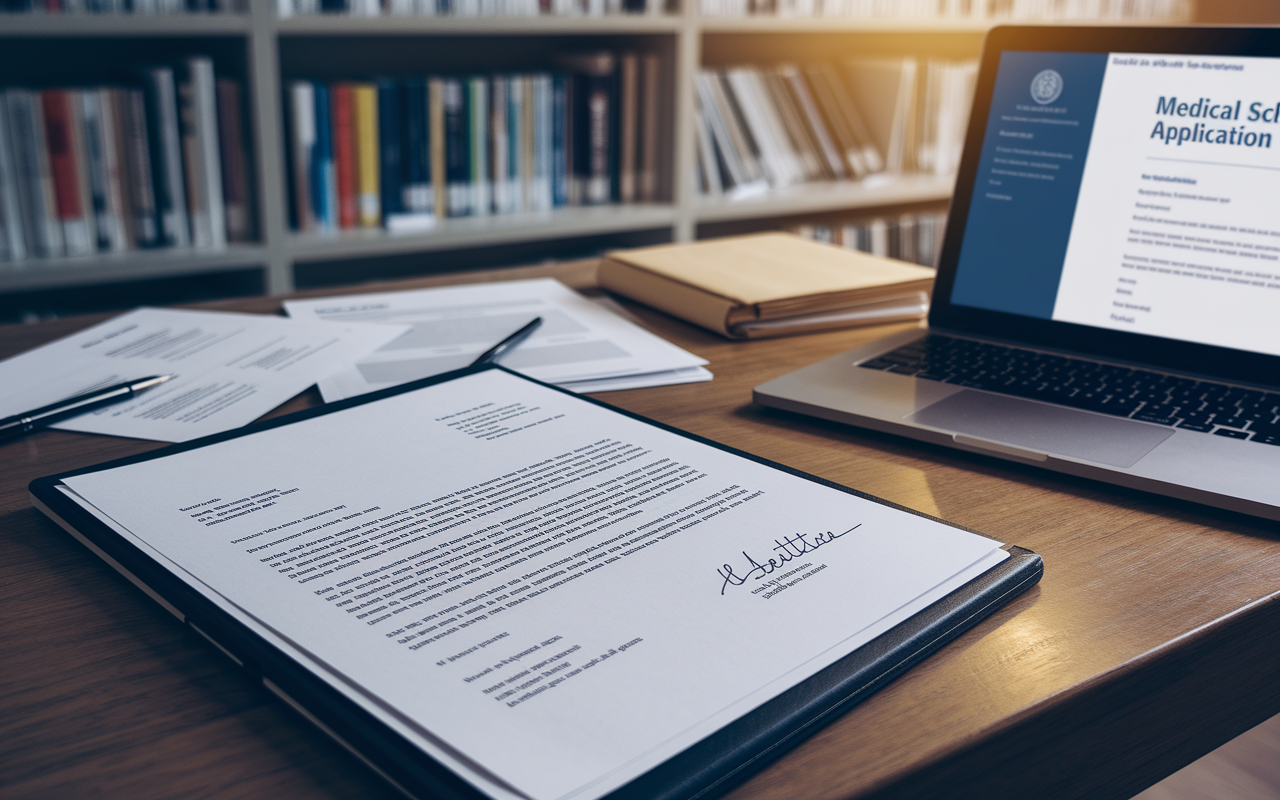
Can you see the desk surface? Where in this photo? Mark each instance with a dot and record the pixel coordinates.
(1151, 639)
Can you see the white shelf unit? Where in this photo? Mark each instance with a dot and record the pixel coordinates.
(270, 47)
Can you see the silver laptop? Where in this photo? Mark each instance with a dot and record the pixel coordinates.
(1108, 294)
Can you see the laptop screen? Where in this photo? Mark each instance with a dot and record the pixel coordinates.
(1133, 192)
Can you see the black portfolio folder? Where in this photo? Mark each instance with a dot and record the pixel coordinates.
(707, 768)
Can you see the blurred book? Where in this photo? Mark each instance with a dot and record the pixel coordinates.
(769, 127)
(402, 153)
(463, 8)
(954, 10)
(914, 236)
(158, 162)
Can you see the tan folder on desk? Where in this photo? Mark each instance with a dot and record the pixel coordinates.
(768, 284)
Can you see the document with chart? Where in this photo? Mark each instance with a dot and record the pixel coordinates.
(582, 345)
(549, 597)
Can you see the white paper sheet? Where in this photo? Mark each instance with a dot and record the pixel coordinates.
(231, 369)
(560, 594)
(644, 380)
(578, 340)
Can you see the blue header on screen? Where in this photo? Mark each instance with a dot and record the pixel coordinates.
(1015, 240)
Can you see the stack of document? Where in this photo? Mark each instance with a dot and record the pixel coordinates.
(229, 369)
(581, 346)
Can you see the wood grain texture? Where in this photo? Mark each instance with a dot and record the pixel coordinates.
(1150, 641)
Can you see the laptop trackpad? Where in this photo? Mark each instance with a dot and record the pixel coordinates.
(1044, 428)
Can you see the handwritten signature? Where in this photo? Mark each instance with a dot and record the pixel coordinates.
(787, 549)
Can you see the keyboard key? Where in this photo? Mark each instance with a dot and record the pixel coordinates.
(1195, 426)
(1200, 406)
(1231, 433)
(1156, 418)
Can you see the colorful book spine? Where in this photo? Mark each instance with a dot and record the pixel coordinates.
(166, 156)
(30, 120)
(418, 194)
(478, 128)
(453, 146)
(209, 159)
(365, 105)
(193, 175)
(572, 187)
(80, 152)
(175, 218)
(599, 187)
(15, 235)
(110, 169)
(528, 145)
(144, 214)
(651, 89)
(516, 85)
(56, 105)
(344, 155)
(457, 148)
(99, 152)
(629, 111)
(324, 189)
(594, 126)
(302, 105)
(115, 146)
(542, 143)
(499, 147)
(236, 191)
(435, 110)
(559, 140)
(390, 156)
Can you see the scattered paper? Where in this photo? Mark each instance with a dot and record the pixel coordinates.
(580, 345)
(230, 368)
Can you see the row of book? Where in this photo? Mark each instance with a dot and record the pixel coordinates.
(1030, 10)
(122, 6)
(400, 153)
(111, 169)
(866, 9)
(472, 8)
(760, 128)
(914, 237)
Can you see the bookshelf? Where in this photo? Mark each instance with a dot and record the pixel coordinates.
(265, 51)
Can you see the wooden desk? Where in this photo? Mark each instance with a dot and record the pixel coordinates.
(1152, 639)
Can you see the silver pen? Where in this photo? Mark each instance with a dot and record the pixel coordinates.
(19, 424)
(500, 349)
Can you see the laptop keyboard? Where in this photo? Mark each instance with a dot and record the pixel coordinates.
(1193, 405)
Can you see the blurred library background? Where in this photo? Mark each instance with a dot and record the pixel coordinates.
(169, 151)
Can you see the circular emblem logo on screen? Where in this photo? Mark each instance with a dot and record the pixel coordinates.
(1046, 86)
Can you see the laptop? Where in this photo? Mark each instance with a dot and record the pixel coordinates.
(1108, 295)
